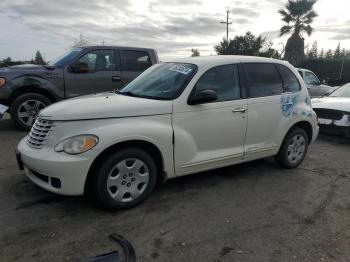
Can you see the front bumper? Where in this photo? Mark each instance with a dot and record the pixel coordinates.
(335, 130)
(336, 127)
(56, 172)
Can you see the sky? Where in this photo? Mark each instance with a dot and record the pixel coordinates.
(172, 27)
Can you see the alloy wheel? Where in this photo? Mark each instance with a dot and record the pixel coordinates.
(29, 110)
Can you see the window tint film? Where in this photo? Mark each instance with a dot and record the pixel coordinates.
(310, 79)
(223, 80)
(290, 82)
(263, 80)
(98, 60)
(134, 60)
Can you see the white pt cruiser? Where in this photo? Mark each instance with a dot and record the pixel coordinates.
(175, 119)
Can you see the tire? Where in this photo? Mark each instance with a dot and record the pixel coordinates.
(293, 149)
(121, 182)
(25, 108)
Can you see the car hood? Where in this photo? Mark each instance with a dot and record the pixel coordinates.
(337, 103)
(105, 105)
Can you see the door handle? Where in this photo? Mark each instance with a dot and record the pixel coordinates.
(116, 78)
(239, 110)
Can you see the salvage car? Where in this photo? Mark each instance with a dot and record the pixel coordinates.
(333, 111)
(314, 85)
(175, 119)
(25, 90)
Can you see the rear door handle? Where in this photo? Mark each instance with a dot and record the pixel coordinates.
(116, 78)
(239, 110)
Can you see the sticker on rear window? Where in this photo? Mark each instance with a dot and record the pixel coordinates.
(181, 69)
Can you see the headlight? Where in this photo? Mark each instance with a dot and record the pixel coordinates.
(2, 81)
(77, 144)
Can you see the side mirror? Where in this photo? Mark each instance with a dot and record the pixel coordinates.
(80, 68)
(204, 96)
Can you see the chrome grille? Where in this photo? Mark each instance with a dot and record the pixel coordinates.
(39, 132)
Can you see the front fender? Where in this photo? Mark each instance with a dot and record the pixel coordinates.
(156, 130)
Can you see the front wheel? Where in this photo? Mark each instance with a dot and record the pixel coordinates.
(125, 179)
(293, 148)
(26, 108)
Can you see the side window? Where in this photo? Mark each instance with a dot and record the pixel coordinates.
(134, 60)
(263, 80)
(223, 80)
(97, 60)
(290, 82)
(311, 79)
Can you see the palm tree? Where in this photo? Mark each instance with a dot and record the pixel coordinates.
(298, 16)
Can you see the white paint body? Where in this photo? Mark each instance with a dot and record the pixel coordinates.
(206, 136)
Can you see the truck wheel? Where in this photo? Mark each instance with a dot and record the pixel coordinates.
(25, 108)
(125, 179)
(293, 149)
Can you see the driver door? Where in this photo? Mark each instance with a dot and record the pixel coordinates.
(96, 74)
(211, 135)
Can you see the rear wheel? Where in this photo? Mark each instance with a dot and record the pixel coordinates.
(26, 108)
(293, 149)
(125, 179)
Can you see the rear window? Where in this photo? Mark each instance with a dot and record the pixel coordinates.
(290, 82)
(134, 60)
(263, 80)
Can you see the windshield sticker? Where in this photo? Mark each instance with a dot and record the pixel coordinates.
(182, 69)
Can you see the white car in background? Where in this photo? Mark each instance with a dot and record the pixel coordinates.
(175, 119)
(333, 111)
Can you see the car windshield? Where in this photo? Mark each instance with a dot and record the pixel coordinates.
(66, 57)
(164, 81)
(343, 91)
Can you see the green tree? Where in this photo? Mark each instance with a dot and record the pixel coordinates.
(247, 44)
(39, 60)
(195, 52)
(329, 54)
(7, 61)
(337, 52)
(298, 16)
(313, 52)
(321, 55)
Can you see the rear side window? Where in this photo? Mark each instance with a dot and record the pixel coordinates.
(134, 60)
(290, 82)
(223, 80)
(263, 80)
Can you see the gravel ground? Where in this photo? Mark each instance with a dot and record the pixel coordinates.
(250, 212)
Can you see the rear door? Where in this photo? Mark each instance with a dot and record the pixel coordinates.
(265, 88)
(133, 63)
(99, 76)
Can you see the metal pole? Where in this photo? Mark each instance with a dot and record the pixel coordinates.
(227, 23)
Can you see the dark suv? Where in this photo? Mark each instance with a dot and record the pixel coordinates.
(26, 89)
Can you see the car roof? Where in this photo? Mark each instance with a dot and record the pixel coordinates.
(115, 46)
(226, 59)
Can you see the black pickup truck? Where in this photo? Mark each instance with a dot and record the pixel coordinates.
(26, 89)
